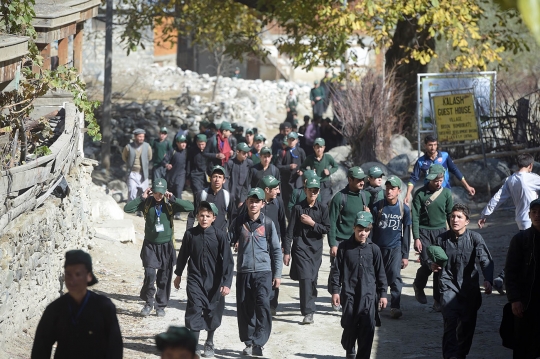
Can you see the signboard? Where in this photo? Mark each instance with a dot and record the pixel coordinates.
(455, 117)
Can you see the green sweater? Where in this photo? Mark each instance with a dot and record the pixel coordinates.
(159, 149)
(342, 228)
(326, 162)
(433, 217)
(150, 234)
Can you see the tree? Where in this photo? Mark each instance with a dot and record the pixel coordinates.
(320, 32)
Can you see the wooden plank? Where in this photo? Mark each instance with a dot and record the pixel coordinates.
(23, 180)
(88, 14)
(14, 51)
(78, 47)
(48, 35)
(15, 212)
(46, 195)
(63, 56)
(52, 16)
(9, 68)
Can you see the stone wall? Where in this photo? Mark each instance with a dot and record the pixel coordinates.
(32, 248)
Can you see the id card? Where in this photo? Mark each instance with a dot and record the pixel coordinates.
(159, 227)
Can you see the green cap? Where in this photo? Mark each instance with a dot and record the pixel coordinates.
(77, 256)
(308, 174)
(220, 169)
(356, 172)
(201, 137)
(249, 130)
(177, 337)
(319, 141)
(225, 125)
(313, 182)
(375, 172)
(437, 255)
(269, 181)
(256, 192)
(536, 202)
(363, 218)
(242, 146)
(316, 82)
(434, 171)
(210, 206)
(259, 138)
(181, 138)
(293, 135)
(395, 181)
(266, 150)
(159, 186)
(164, 130)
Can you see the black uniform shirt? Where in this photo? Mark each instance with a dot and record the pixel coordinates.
(258, 172)
(198, 161)
(178, 160)
(86, 331)
(303, 234)
(219, 200)
(239, 180)
(275, 210)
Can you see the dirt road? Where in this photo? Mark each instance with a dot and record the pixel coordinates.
(417, 334)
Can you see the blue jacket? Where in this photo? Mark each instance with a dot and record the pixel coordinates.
(443, 158)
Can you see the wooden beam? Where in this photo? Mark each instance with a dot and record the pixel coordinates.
(496, 155)
(77, 47)
(45, 50)
(63, 57)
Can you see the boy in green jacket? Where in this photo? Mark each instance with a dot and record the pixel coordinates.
(324, 166)
(432, 204)
(158, 207)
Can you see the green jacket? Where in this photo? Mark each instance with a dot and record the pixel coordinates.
(150, 234)
(342, 226)
(435, 215)
(159, 149)
(326, 162)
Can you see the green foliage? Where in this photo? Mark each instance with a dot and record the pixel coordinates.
(16, 19)
(42, 151)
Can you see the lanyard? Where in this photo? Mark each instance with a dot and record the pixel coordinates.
(76, 319)
(158, 212)
(292, 154)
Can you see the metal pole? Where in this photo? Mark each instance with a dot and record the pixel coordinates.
(107, 90)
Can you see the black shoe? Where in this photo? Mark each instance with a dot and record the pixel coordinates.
(139, 214)
(308, 319)
(160, 312)
(247, 350)
(257, 351)
(498, 285)
(177, 216)
(146, 310)
(436, 306)
(419, 294)
(208, 350)
(273, 311)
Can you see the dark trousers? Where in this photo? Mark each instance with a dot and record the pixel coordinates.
(159, 172)
(428, 237)
(325, 192)
(361, 334)
(392, 267)
(163, 279)
(177, 187)
(198, 182)
(274, 296)
(253, 307)
(459, 323)
(527, 333)
(308, 295)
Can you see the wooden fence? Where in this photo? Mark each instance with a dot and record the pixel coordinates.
(25, 187)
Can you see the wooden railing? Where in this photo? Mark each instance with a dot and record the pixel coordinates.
(25, 187)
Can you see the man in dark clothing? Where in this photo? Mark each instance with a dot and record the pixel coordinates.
(522, 280)
(239, 177)
(392, 233)
(216, 194)
(220, 146)
(299, 194)
(275, 210)
(326, 85)
(308, 223)
(431, 207)
(264, 168)
(317, 97)
(358, 283)
(198, 161)
(175, 162)
(157, 251)
(255, 153)
(459, 289)
(82, 323)
(177, 343)
(374, 184)
(324, 165)
(210, 274)
(288, 162)
(160, 147)
(256, 240)
(284, 130)
(250, 137)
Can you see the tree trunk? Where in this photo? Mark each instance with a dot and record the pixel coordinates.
(407, 36)
(106, 131)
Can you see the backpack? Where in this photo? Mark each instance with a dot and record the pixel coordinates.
(204, 196)
(168, 208)
(344, 201)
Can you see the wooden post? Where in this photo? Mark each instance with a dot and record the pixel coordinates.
(45, 52)
(63, 51)
(77, 47)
